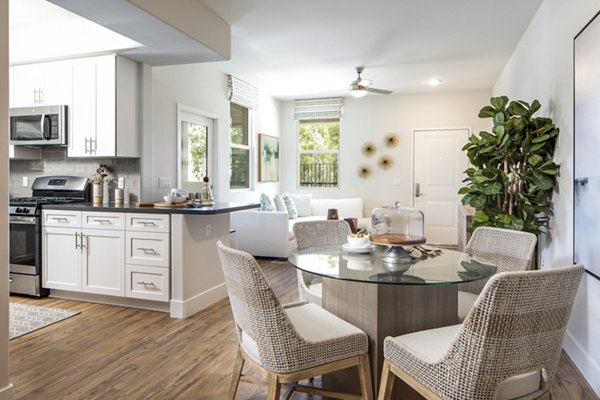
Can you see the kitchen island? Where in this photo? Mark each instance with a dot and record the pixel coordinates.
(148, 257)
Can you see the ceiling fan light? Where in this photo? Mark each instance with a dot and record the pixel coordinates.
(434, 82)
(358, 91)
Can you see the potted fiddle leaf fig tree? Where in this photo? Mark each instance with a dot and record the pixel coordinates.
(512, 174)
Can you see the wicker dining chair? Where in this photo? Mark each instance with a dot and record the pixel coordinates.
(509, 250)
(507, 348)
(315, 234)
(288, 343)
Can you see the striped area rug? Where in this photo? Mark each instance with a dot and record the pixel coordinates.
(25, 318)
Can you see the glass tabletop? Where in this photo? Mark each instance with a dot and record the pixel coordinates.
(442, 267)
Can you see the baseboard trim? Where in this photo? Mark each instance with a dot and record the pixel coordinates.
(6, 393)
(111, 300)
(588, 367)
(189, 307)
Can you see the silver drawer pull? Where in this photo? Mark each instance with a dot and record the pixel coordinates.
(102, 221)
(148, 250)
(148, 284)
(60, 219)
(146, 223)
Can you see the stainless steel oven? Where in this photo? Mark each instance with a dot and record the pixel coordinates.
(24, 254)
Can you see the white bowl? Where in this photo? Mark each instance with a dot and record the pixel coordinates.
(174, 199)
(358, 241)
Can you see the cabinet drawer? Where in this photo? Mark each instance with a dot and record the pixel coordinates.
(150, 283)
(148, 222)
(100, 220)
(61, 218)
(147, 249)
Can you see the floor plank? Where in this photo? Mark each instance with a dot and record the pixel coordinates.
(109, 352)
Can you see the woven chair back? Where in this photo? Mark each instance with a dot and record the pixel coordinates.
(510, 250)
(516, 326)
(321, 233)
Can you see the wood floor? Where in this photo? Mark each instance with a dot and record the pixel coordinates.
(113, 353)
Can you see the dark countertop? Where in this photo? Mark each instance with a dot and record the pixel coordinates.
(218, 208)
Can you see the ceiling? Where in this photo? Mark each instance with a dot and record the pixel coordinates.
(309, 48)
(298, 49)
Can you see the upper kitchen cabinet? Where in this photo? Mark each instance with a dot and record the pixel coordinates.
(41, 84)
(105, 108)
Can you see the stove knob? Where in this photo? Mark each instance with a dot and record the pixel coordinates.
(25, 210)
(18, 210)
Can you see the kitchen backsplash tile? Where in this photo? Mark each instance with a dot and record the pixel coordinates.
(55, 162)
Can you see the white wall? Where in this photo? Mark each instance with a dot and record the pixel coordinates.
(542, 67)
(5, 389)
(370, 119)
(204, 88)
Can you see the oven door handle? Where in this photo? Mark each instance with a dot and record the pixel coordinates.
(23, 220)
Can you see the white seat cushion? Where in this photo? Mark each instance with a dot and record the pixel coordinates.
(466, 300)
(431, 345)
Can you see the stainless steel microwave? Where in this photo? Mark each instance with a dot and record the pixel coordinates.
(38, 126)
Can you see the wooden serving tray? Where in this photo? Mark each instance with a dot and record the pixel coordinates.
(164, 204)
(397, 239)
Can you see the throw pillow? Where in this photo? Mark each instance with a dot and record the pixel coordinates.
(302, 203)
(266, 203)
(279, 204)
(291, 207)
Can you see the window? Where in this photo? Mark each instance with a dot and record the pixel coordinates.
(195, 148)
(318, 145)
(239, 173)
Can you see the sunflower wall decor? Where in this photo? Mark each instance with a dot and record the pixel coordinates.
(364, 171)
(368, 149)
(391, 140)
(385, 162)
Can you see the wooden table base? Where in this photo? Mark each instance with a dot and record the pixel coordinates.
(387, 310)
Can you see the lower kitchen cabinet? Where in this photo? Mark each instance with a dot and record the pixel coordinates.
(115, 257)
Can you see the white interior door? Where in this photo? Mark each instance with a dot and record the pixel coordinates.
(438, 173)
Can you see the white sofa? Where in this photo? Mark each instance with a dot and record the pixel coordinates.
(271, 234)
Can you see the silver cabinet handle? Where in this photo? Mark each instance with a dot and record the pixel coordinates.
(148, 284)
(93, 148)
(86, 145)
(60, 219)
(76, 240)
(84, 237)
(148, 250)
(146, 223)
(102, 221)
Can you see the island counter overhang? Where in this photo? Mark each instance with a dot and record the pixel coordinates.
(197, 279)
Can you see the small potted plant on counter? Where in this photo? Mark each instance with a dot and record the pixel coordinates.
(101, 180)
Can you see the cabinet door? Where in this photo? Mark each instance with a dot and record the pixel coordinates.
(57, 85)
(83, 109)
(61, 258)
(11, 87)
(28, 82)
(104, 262)
(105, 139)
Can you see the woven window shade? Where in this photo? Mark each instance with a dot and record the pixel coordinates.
(242, 93)
(327, 108)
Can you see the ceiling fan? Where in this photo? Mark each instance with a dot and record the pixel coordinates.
(360, 86)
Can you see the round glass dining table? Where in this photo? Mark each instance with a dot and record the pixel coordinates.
(435, 267)
(389, 299)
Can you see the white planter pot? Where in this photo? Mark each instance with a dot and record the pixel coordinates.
(97, 192)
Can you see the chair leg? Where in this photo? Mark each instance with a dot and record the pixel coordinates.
(387, 382)
(364, 373)
(237, 374)
(274, 387)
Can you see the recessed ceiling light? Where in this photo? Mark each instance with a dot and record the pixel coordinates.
(434, 82)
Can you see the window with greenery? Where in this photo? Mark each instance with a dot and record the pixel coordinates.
(239, 170)
(318, 145)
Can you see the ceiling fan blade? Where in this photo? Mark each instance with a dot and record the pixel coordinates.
(379, 91)
(364, 82)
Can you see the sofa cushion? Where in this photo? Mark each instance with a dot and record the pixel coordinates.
(266, 203)
(290, 206)
(279, 203)
(302, 203)
(347, 208)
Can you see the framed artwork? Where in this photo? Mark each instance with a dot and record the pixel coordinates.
(268, 158)
(586, 185)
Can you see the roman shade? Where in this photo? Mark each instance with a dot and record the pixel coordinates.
(242, 93)
(312, 109)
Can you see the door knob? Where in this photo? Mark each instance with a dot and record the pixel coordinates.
(418, 190)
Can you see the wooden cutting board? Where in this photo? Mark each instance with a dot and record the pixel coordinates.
(164, 204)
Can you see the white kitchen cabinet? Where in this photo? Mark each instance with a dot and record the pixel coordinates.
(41, 84)
(82, 259)
(61, 258)
(105, 108)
